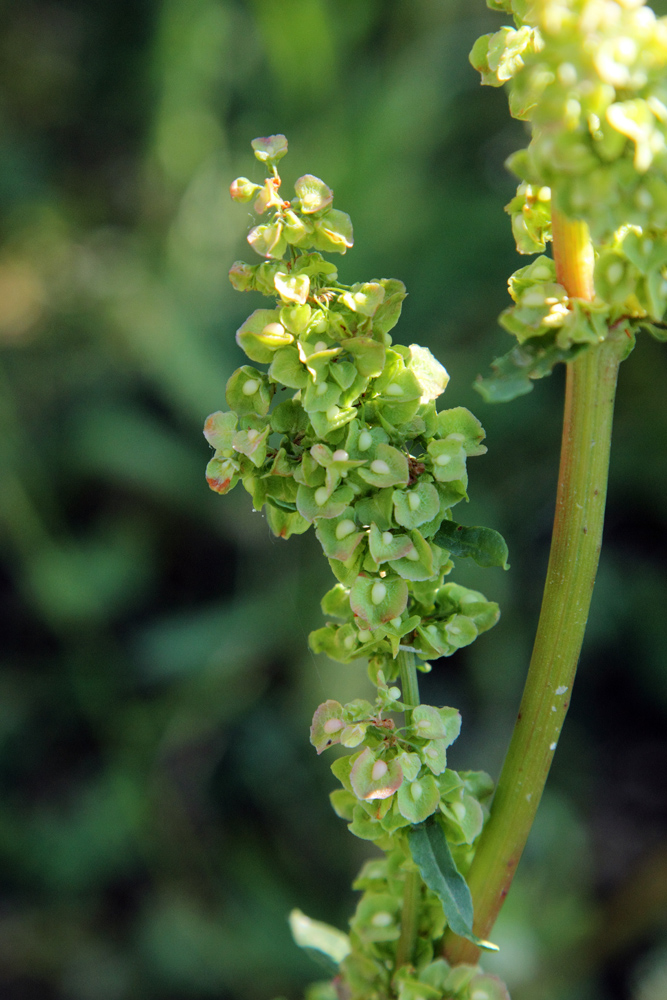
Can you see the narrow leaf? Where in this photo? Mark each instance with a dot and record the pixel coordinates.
(486, 546)
(430, 852)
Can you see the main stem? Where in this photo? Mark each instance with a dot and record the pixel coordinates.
(573, 562)
(405, 948)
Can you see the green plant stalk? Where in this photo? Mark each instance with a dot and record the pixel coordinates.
(573, 562)
(411, 894)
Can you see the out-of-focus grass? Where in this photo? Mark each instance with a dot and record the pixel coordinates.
(161, 807)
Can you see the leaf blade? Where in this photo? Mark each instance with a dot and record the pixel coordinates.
(431, 854)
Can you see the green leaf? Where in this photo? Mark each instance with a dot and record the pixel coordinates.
(431, 854)
(486, 546)
(327, 942)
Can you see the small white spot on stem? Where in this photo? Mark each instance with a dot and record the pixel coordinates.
(552, 746)
(562, 689)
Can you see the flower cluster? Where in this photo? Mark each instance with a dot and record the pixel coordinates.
(589, 76)
(339, 430)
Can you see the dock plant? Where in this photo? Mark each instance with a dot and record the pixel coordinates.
(334, 424)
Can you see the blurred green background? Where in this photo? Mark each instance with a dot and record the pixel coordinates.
(161, 808)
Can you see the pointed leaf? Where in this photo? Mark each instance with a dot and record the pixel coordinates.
(431, 854)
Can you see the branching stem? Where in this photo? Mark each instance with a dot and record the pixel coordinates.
(573, 561)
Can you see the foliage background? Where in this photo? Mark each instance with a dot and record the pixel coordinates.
(162, 810)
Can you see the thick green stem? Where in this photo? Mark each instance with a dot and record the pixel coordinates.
(409, 683)
(573, 561)
(405, 948)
